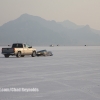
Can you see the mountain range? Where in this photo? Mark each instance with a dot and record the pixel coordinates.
(35, 30)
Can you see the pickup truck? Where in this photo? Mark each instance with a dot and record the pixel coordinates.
(19, 50)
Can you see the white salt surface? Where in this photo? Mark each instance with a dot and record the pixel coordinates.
(72, 73)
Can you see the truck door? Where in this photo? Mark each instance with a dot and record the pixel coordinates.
(29, 49)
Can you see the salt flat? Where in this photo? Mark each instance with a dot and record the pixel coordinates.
(72, 73)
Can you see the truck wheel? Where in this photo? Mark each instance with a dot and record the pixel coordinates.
(6, 55)
(18, 54)
(33, 54)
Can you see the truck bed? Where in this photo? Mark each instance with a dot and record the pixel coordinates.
(7, 50)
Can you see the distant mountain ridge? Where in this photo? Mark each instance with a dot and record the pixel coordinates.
(70, 25)
(38, 31)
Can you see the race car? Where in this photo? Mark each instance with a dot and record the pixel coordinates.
(44, 53)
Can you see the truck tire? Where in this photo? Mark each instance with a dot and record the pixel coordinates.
(18, 54)
(6, 56)
(33, 54)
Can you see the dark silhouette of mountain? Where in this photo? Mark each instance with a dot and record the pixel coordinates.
(38, 31)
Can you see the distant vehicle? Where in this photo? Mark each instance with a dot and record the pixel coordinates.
(51, 45)
(44, 53)
(19, 50)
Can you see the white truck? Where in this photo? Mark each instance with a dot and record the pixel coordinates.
(19, 50)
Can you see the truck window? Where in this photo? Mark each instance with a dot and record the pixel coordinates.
(17, 46)
(20, 45)
(27, 46)
(24, 45)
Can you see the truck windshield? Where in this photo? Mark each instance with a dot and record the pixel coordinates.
(17, 46)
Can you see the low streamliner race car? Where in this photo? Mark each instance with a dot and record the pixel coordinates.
(44, 53)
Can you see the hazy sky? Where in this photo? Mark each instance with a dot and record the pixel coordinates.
(81, 12)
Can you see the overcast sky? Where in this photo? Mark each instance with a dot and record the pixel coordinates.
(81, 12)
